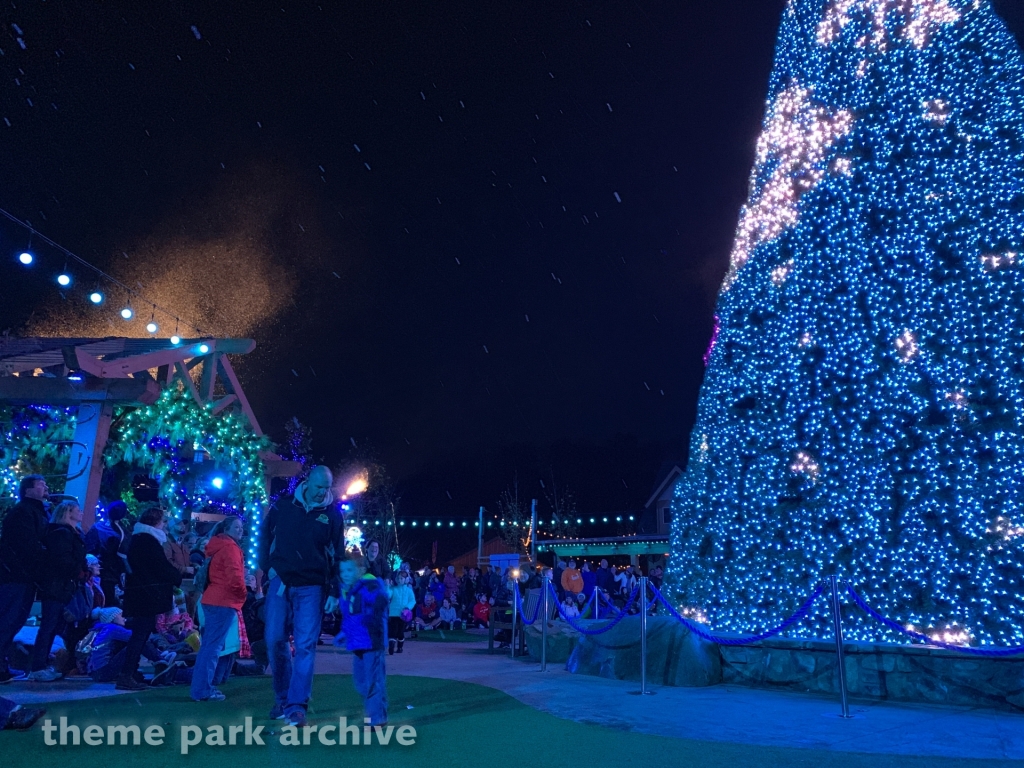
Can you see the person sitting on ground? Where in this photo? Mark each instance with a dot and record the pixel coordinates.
(436, 588)
(149, 590)
(106, 659)
(467, 593)
(572, 580)
(93, 581)
(569, 609)
(582, 605)
(14, 717)
(222, 599)
(61, 570)
(403, 601)
(21, 551)
(426, 614)
(481, 611)
(106, 540)
(449, 616)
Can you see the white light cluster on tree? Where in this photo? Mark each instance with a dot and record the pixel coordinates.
(791, 149)
(862, 412)
(914, 21)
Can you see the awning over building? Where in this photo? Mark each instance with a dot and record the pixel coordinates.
(625, 545)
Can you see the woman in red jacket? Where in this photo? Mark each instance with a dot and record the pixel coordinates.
(223, 597)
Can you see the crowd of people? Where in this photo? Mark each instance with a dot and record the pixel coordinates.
(115, 595)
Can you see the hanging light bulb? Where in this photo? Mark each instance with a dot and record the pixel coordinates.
(152, 327)
(96, 297)
(26, 258)
(204, 349)
(64, 280)
(127, 313)
(175, 339)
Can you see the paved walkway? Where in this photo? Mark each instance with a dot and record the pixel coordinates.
(720, 713)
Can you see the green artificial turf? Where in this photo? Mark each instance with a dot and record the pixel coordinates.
(458, 724)
(448, 636)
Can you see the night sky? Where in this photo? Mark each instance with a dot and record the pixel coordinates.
(414, 208)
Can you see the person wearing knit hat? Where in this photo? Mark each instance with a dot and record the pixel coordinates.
(109, 616)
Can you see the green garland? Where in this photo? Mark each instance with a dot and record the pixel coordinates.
(154, 436)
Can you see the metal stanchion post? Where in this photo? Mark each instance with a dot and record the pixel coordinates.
(643, 639)
(837, 620)
(545, 615)
(595, 612)
(515, 616)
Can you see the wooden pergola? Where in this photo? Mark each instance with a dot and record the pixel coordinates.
(97, 375)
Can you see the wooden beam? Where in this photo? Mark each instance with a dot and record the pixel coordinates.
(208, 379)
(186, 378)
(85, 467)
(236, 388)
(38, 390)
(223, 403)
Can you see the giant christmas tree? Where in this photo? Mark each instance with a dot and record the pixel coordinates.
(863, 406)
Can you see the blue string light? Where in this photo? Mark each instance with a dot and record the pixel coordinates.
(863, 406)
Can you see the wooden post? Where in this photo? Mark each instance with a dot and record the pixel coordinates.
(85, 467)
(533, 531)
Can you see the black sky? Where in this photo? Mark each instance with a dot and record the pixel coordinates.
(418, 258)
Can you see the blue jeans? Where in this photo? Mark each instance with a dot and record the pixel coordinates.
(15, 607)
(301, 609)
(369, 677)
(219, 620)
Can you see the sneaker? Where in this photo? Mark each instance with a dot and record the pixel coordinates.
(130, 684)
(47, 675)
(215, 695)
(23, 718)
(163, 674)
(7, 676)
(277, 713)
(297, 718)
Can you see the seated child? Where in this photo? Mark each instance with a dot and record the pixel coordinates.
(449, 616)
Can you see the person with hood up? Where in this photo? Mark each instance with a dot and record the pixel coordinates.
(364, 615)
(301, 542)
(223, 597)
(106, 540)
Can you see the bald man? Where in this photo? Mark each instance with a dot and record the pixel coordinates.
(301, 542)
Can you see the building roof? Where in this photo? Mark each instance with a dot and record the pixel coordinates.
(616, 545)
(495, 546)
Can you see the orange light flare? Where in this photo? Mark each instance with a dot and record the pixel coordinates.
(355, 485)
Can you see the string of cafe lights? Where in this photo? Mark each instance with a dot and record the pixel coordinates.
(459, 524)
(65, 279)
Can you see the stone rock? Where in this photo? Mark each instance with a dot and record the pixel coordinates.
(675, 656)
(561, 641)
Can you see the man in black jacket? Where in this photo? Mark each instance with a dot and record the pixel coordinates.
(21, 551)
(302, 541)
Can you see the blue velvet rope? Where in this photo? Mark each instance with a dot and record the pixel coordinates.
(698, 630)
(589, 632)
(519, 605)
(895, 626)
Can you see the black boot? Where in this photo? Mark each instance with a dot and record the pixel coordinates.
(391, 647)
(401, 645)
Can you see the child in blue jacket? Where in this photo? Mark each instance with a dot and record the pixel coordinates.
(364, 614)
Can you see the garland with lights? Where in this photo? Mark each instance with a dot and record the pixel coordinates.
(862, 412)
(164, 437)
(35, 440)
